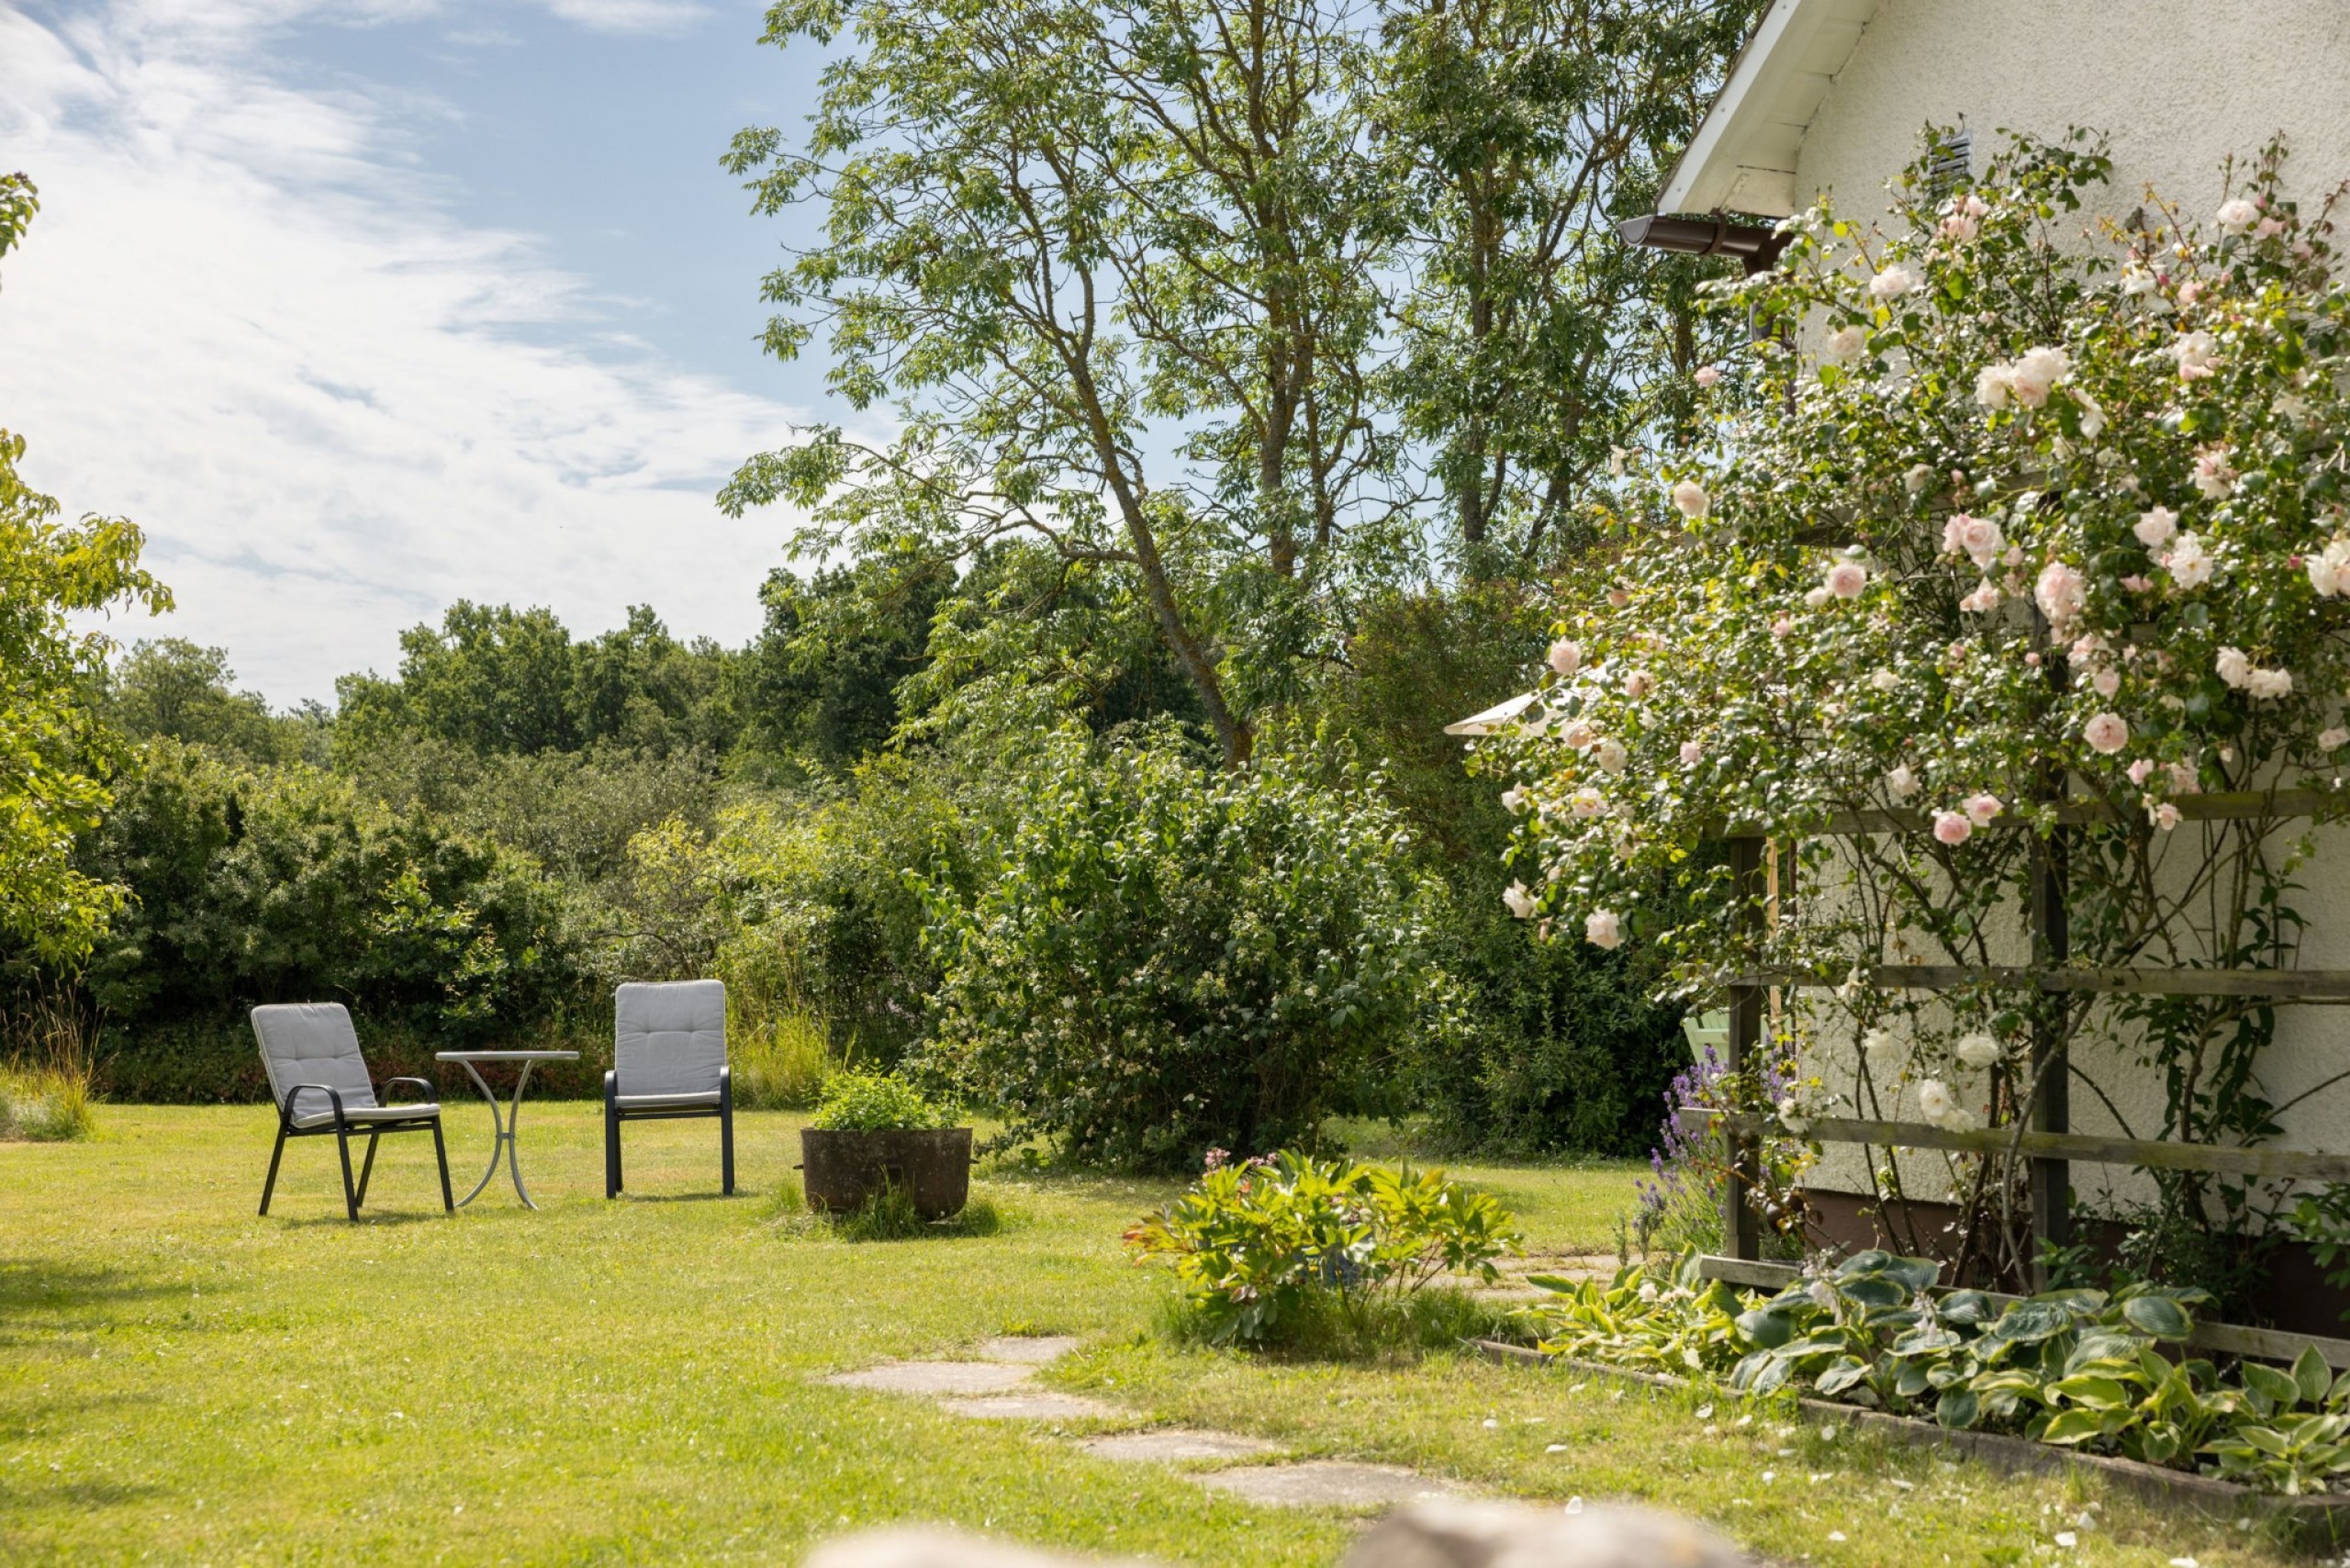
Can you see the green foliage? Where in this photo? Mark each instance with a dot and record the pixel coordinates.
(780, 1063)
(878, 1102)
(170, 688)
(46, 1105)
(53, 755)
(2073, 1367)
(290, 884)
(1260, 1248)
(1161, 957)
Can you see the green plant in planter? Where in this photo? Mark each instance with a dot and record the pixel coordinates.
(875, 1103)
(1260, 1248)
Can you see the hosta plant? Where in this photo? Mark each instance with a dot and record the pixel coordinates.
(2075, 1369)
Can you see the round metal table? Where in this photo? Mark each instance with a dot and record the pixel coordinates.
(511, 1120)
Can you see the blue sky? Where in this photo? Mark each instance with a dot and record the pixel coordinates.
(360, 308)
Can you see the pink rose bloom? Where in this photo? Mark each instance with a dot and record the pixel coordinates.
(2106, 681)
(2031, 377)
(1981, 807)
(2214, 476)
(1579, 733)
(2141, 769)
(1978, 536)
(2164, 816)
(1847, 578)
(1586, 802)
(1986, 597)
(2268, 228)
(2333, 739)
(2237, 215)
(1782, 626)
(1619, 599)
(2155, 528)
(2183, 779)
(1691, 754)
(2137, 584)
(2106, 734)
(1566, 655)
(2031, 660)
(1690, 499)
(1639, 684)
(1601, 928)
(2060, 592)
(1953, 828)
(1707, 375)
(1893, 282)
(2197, 354)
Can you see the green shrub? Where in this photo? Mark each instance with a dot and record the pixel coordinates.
(873, 1102)
(1274, 1248)
(780, 1064)
(1164, 957)
(45, 1104)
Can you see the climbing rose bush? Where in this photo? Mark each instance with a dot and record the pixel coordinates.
(2008, 506)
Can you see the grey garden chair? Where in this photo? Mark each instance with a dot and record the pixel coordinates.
(319, 1082)
(668, 1061)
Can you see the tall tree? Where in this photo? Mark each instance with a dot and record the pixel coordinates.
(52, 751)
(1102, 265)
(1534, 340)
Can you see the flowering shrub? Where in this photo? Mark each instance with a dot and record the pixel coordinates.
(1258, 1246)
(2075, 1369)
(2004, 513)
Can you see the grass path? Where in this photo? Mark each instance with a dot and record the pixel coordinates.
(182, 1381)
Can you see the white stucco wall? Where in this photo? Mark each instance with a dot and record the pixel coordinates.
(2175, 85)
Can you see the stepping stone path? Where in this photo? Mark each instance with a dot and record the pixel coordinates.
(995, 1387)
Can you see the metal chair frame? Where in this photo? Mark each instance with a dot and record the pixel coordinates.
(343, 1127)
(614, 1115)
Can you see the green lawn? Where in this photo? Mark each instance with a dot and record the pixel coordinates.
(183, 1381)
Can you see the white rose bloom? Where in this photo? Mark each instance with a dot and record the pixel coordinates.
(1916, 479)
(2136, 279)
(2031, 377)
(1690, 499)
(1993, 384)
(1845, 344)
(1512, 799)
(2329, 569)
(2234, 668)
(1935, 1101)
(1603, 929)
(1884, 681)
(1883, 1050)
(1901, 783)
(2333, 739)
(1610, 754)
(1893, 282)
(2189, 564)
(2238, 215)
(1977, 1051)
(1521, 902)
(1587, 802)
(2156, 527)
(2268, 685)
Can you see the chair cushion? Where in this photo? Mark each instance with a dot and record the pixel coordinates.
(312, 1042)
(316, 1112)
(670, 1038)
(664, 1102)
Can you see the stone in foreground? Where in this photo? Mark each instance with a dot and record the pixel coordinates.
(1172, 1446)
(1453, 1533)
(1028, 1350)
(936, 1377)
(1033, 1408)
(1327, 1484)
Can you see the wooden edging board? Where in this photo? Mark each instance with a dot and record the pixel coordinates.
(2227, 1338)
(2326, 1518)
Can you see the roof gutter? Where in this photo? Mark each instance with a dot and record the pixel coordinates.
(1756, 248)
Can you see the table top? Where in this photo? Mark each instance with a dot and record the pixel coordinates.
(505, 1056)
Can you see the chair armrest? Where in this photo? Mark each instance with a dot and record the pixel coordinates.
(612, 1085)
(286, 1112)
(431, 1092)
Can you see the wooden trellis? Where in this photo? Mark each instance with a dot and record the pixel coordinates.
(2045, 1139)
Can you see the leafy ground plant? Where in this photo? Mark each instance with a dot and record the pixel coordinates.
(1274, 1248)
(2076, 1367)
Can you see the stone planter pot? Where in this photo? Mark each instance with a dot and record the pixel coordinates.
(843, 1168)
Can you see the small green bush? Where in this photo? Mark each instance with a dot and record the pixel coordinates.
(45, 1104)
(782, 1064)
(1291, 1248)
(875, 1101)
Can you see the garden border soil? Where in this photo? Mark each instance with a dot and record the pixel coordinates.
(2320, 1520)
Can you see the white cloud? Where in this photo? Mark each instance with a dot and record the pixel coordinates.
(628, 15)
(242, 320)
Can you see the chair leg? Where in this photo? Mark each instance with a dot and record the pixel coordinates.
(367, 1167)
(349, 1193)
(270, 1185)
(441, 1157)
(611, 1151)
(726, 1134)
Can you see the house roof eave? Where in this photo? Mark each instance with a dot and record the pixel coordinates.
(1742, 157)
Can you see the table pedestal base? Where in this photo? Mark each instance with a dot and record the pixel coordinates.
(505, 1124)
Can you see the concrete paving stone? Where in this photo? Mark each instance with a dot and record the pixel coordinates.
(1329, 1484)
(1028, 1350)
(1032, 1408)
(1172, 1444)
(936, 1377)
